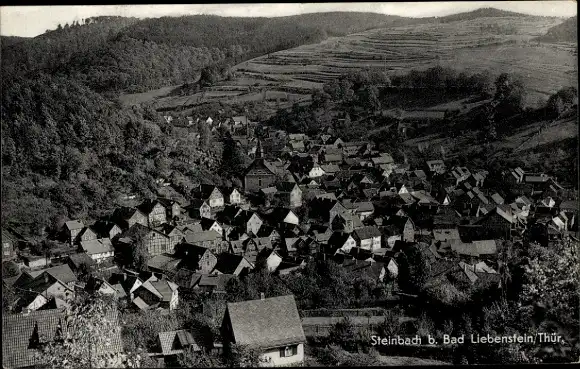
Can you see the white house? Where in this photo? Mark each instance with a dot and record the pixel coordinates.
(271, 325)
(99, 250)
(316, 171)
(368, 238)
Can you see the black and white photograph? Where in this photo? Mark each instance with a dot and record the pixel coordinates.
(289, 184)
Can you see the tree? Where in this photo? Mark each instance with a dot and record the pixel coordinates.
(549, 301)
(87, 329)
(10, 269)
(562, 100)
(413, 269)
(204, 135)
(198, 359)
(241, 356)
(233, 162)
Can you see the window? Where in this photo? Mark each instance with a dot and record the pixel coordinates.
(288, 351)
(260, 182)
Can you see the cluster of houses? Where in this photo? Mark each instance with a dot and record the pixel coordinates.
(309, 198)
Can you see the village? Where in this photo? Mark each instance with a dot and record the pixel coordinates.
(307, 199)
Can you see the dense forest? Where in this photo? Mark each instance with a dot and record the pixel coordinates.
(69, 152)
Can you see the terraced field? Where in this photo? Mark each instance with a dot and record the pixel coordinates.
(495, 44)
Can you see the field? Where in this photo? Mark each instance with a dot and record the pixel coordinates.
(496, 44)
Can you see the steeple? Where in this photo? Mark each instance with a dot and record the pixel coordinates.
(259, 150)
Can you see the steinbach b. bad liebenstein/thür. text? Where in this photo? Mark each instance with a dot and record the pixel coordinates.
(473, 338)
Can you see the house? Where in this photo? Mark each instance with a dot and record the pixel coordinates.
(363, 209)
(213, 283)
(156, 294)
(45, 285)
(176, 342)
(61, 272)
(368, 238)
(199, 209)
(196, 258)
(402, 226)
(8, 246)
(345, 222)
(87, 234)
(340, 241)
(208, 224)
(277, 216)
(106, 229)
(155, 242)
(71, 230)
(166, 264)
(290, 194)
(271, 325)
(233, 196)
(249, 221)
(35, 261)
(260, 174)
(173, 233)
(155, 212)
(80, 263)
(209, 239)
(232, 264)
(210, 194)
(270, 258)
(99, 250)
(24, 334)
(126, 217)
(173, 207)
(501, 223)
(102, 287)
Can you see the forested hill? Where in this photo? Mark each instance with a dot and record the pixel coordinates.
(6, 41)
(564, 32)
(127, 54)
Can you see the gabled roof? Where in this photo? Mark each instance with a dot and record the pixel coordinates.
(365, 233)
(18, 329)
(99, 246)
(217, 282)
(204, 236)
(261, 167)
(163, 262)
(268, 323)
(74, 225)
(61, 272)
(147, 206)
(287, 186)
(228, 263)
(174, 342)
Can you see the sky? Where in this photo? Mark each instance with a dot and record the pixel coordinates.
(29, 21)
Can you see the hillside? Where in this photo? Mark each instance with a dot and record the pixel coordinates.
(480, 13)
(564, 32)
(126, 54)
(494, 43)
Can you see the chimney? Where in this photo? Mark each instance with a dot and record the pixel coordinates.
(262, 296)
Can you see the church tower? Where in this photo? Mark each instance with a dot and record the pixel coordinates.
(259, 150)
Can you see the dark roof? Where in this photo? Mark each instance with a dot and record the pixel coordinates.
(103, 227)
(61, 272)
(18, 329)
(365, 233)
(186, 278)
(227, 263)
(260, 167)
(286, 186)
(272, 322)
(146, 207)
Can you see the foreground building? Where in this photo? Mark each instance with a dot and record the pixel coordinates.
(270, 325)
